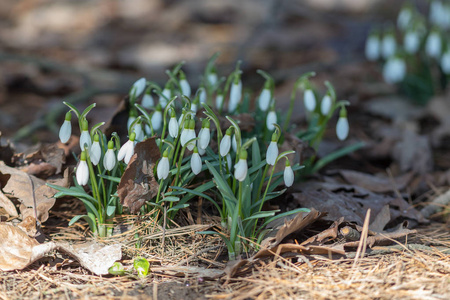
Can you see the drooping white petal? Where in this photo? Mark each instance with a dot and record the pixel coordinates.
(109, 161)
(235, 96)
(194, 107)
(139, 132)
(212, 78)
(342, 128)
(310, 100)
(202, 96)
(173, 127)
(225, 145)
(445, 62)
(271, 119)
(325, 105)
(388, 46)
(185, 87)
(288, 176)
(404, 18)
(85, 140)
(433, 45)
(126, 152)
(204, 138)
(184, 136)
(157, 120)
(219, 101)
(163, 168)
(272, 153)
(200, 150)
(411, 42)
(234, 143)
(394, 70)
(264, 99)
(196, 163)
(147, 101)
(82, 173)
(163, 99)
(190, 135)
(95, 153)
(65, 131)
(138, 87)
(372, 49)
(130, 121)
(229, 161)
(241, 169)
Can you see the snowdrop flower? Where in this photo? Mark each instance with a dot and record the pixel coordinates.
(229, 162)
(184, 132)
(157, 118)
(82, 173)
(184, 85)
(202, 96)
(405, 17)
(272, 150)
(288, 174)
(138, 87)
(147, 101)
(325, 105)
(271, 119)
(190, 135)
(95, 152)
(437, 13)
(234, 143)
(219, 100)
(212, 77)
(265, 97)
(433, 45)
(445, 62)
(342, 126)
(165, 96)
(163, 166)
(225, 143)
(388, 45)
(204, 135)
(85, 137)
(241, 168)
(173, 124)
(196, 162)
(66, 128)
(138, 131)
(372, 49)
(194, 105)
(394, 70)
(235, 94)
(109, 161)
(130, 120)
(411, 41)
(200, 151)
(309, 99)
(127, 149)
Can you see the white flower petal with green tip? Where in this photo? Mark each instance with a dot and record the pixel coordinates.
(189, 136)
(264, 99)
(95, 153)
(204, 138)
(240, 170)
(82, 173)
(309, 99)
(126, 152)
(288, 176)
(196, 163)
(271, 119)
(225, 145)
(65, 131)
(184, 136)
(173, 127)
(342, 128)
(85, 140)
(109, 161)
(147, 101)
(325, 105)
(235, 96)
(163, 168)
(185, 87)
(272, 153)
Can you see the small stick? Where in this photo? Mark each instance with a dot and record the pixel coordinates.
(350, 234)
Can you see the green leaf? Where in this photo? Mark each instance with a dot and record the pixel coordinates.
(178, 207)
(116, 269)
(142, 266)
(110, 210)
(88, 109)
(110, 178)
(262, 214)
(170, 199)
(335, 155)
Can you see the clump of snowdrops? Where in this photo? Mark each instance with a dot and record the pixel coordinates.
(234, 169)
(416, 52)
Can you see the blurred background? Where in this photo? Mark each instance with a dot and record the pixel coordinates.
(92, 51)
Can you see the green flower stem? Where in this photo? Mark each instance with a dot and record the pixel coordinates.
(262, 180)
(180, 160)
(94, 186)
(240, 201)
(159, 190)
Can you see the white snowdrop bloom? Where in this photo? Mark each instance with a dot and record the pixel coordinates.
(194, 107)
(241, 168)
(130, 121)
(204, 136)
(325, 105)
(165, 97)
(394, 70)
(264, 99)
(173, 127)
(147, 101)
(184, 134)
(372, 49)
(234, 143)
(185, 87)
(235, 95)
(200, 151)
(212, 78)
(127, 149)
(109, 161)
(66, 129)
(138, 87)
(342, 127)
(388, 46)
(404, 18)
(288, 175)
(202, 95)
(82, 173)
(436, 12)
(445, 62)
(225, 143)
(163, 167)
(191, 135)
(157, 119)
(95, 152)
(85, 137)
(272, 152)
(433, 45)
(229, 161)
(309, 99)
(411, 42)
(271, 119)
(139, 132)
(219, 101)
(148, 130)
(196, 162)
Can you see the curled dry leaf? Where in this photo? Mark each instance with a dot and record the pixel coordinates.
(138, 184)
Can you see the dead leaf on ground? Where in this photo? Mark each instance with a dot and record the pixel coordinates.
(8, 205)
(184, 271)
(138, 184)
(376, 184)
(439, 108)
(42, 161)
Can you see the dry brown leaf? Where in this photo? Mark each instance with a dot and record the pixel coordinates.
(184, 271)
(374, 183)
(381, 220)
(138, 184)
(7, 204)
